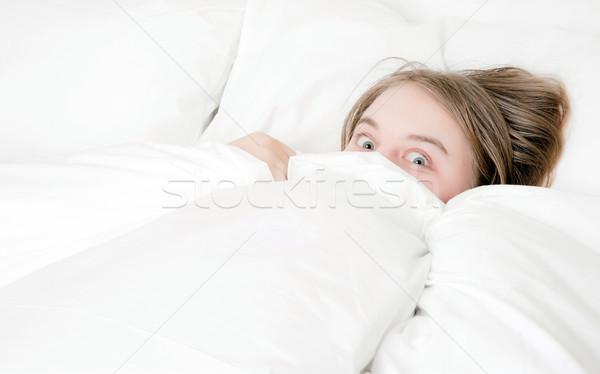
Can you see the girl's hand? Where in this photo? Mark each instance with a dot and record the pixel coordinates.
(268, 149)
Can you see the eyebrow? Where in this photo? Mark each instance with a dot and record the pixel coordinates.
(430, 140)
(369, 121)
(427, 139)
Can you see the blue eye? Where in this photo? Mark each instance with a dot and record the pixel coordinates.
(366, 142)
(417, 158)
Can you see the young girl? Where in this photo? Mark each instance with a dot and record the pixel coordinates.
(451, 130)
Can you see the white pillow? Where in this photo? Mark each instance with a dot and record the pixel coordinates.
(300, 67)
(572, 56)
(579, 15)
(77, 74)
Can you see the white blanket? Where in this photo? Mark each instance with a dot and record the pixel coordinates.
(512, 288)
(57, 206)
(301, 276)
(120, 260)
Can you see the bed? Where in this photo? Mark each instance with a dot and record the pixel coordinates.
(134, 239)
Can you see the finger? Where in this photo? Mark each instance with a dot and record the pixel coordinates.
(277, 171)
(277, 160)
(288, 151)
(281, 163)
(284, 160)
(276, 145)
(241, 142)
(282, 154)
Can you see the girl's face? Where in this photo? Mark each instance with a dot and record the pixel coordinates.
(411, 128)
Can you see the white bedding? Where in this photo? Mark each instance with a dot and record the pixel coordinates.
(308, 275)
(56, 206)
(168, 258)
(512, 288)
(77, 74)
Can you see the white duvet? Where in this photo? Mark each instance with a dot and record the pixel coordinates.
(120, 260)
(512, 287)
(266, 277)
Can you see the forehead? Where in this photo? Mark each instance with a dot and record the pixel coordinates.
(411, 105)
(404, 97)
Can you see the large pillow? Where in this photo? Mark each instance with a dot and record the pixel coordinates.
(572, 56)
(76, 74)
(578, 15)
(302, 64)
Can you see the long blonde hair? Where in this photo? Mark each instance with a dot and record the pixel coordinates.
(514, 120)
